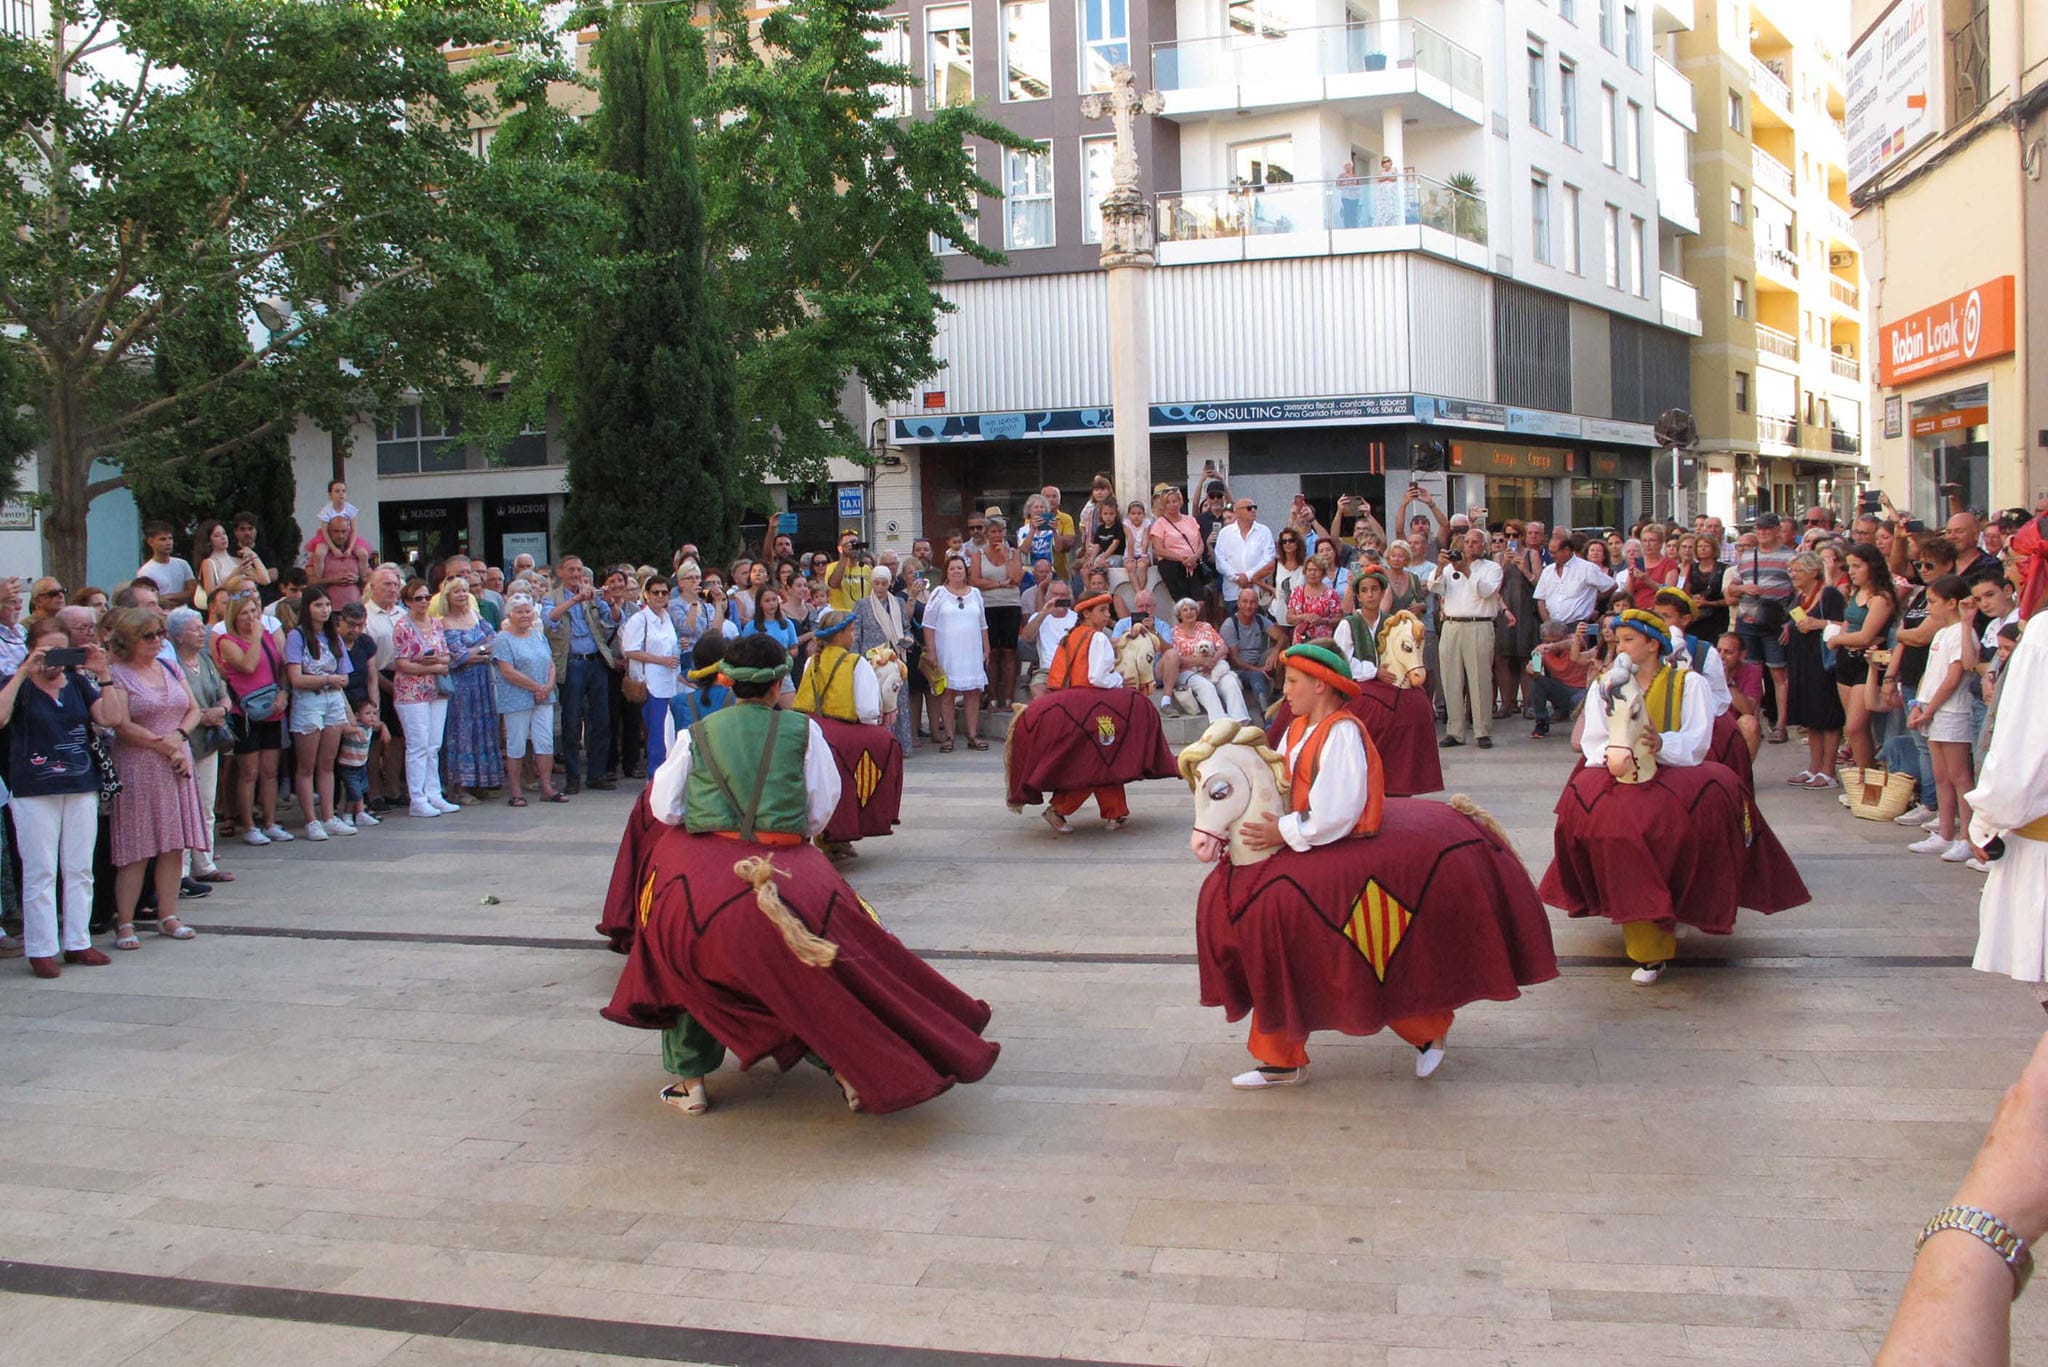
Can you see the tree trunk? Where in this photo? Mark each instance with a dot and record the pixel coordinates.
(66, 471)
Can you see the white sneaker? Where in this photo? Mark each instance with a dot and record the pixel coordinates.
(278, 834)
(1258, 1078)
(365, 817)
(1428, 1058)
(339, 825)
(1647, 975)
(424, 809)
(1932, 823)
(252, 836)
(1930, 844)
(315, 831)
(1918, 816)
(443, 804)
(1958, 853)
(1976, 865)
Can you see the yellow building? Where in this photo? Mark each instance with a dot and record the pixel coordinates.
(1949, 165)
(1779, 382)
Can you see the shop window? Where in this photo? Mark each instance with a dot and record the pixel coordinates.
(1951, 437)
(1596, 503)
(415, 444)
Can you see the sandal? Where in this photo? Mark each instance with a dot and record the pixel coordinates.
(515, 802)
(215, 876)
(556, 796)
(125, 936)
(945, 747)
(171, 928)
(976, 743)
(690, 1100)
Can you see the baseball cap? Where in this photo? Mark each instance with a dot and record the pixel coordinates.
(1769, 520)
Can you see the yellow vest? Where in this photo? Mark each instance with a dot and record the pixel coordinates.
(827, 686)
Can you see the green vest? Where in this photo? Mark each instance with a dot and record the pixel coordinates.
(743, 778)
(1365, 645)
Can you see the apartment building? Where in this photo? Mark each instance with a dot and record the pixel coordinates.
(1395, 237)
(1948, 134)
(1780, 383)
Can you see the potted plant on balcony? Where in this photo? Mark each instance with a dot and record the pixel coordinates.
(1468, 210)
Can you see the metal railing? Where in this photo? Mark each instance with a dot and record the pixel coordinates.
(1840, 223)
(1784, 431)
(1770, 173)
(1845, 443)
(1969, 65)
(1769, 84)
(1845, 292)
(1772, 342)
(1848, 367)
(1777, 258)
(1323, 50)
(1301, 206)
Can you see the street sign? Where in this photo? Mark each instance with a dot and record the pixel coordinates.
(852, 502)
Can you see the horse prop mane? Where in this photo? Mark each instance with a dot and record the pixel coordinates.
(1400, 649)
(889, 672)
(1137, 657)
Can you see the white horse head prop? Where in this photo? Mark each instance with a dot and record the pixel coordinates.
(1629, 756)
(889, 672)
(1137, 657)
(1402, 662)
(1234, 774)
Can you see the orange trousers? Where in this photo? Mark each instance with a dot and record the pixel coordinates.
(1277, 1052)
(1108, 800)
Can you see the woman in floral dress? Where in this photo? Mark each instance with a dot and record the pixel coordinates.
(470, 748)
(156, 817)
(1314, 607)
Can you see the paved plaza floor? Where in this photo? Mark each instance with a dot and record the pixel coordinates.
(381, 1122)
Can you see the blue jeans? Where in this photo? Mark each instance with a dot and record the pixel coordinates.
(586, 712)
(1258, 690)
(1907, 753)
(654, 718)
(1554, 701)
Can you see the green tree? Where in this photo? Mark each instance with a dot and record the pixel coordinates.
(651, 429)
(820, 210)
(313, 158)
(17, 433)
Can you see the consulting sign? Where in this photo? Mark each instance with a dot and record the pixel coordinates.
(1893, 83)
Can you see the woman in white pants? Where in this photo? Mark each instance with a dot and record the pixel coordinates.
(420, 664)
(48, 710)
(1205, 665)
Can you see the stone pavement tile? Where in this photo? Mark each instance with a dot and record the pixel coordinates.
(1647, 1307)
(1152, 1347)
(1472, 1299)
(225, 1341)
(709, 1257)
(1055, 1315)
(1719, 1343)
(48, 1329)
(1727, 1242)
(1076, 1217)
(265, 1269)
(1646, 1342)
(886, 1243)
(422, 1350)
(1246, 1352)
(1215, 1262)
(1257, 1317)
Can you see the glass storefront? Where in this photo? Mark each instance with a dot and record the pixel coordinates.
(1517, 498)
(1597, 503)
(1951, 451)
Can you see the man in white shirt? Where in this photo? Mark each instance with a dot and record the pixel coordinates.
(1049, 625)
(1469, 585)
(1245, 552)
(173, 577)
(1570, 584)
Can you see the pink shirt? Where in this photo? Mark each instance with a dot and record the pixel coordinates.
(409, 641)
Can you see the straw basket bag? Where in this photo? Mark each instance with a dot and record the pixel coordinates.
(1877, 794)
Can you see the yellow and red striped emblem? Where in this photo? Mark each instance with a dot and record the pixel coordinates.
(867, 776)
(647, 897)
(1376, 926)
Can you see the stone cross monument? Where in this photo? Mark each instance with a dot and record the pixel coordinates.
(1127, 238)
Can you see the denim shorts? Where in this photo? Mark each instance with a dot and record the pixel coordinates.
(313, 711)
(1761, 645)
(355, 783)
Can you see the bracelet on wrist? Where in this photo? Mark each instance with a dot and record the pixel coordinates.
(2001, 1237)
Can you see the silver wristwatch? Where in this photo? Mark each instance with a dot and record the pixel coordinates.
(2004, 1241)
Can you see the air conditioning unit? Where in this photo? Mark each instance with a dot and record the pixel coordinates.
(1840, 260)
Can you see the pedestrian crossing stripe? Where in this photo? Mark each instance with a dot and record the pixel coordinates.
(1376, 926)
(867, 776)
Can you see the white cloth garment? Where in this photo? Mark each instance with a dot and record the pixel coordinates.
(652, 633)
(1467, 591)
(1051, 632)
(1102, 671)
(821, 779)
(1569, 590)
(56, 835)
(1683, 748)
(1242, 552)
(1338, 795)
(1361, 670)
(1218, 691)
(423, 723)
(956, 622)
(2012, 790)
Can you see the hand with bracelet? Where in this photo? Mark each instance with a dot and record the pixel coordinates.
(1975, 1256)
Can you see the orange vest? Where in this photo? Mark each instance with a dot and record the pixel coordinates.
(1071, 656)
(1305, 756)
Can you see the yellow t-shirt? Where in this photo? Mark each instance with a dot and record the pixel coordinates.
(1063, 523)
(852, 587)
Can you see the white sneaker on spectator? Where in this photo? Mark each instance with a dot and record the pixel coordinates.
(252, 836)
(443, 804)
(366, 817)
(339, 825)
(1958, 853)
(1930, 844)
(1918, 815)
(424, 809)
(278, 834)
(315, 831)
(1931, 824)
(1976, 865)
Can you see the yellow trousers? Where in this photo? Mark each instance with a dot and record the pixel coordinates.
(1648, 943)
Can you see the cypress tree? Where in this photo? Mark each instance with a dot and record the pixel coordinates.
(651, 428)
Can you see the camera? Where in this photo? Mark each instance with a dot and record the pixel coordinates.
(1457, 557)
(65, 657)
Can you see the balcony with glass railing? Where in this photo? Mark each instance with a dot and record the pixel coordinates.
(1775, 260)
(1780, 431)
(1675, 96)
(1782, 345)
(1769, 86)
(1405, 212)
(1841, 228)
(1369, 65)
(1771, 174)
(1844, 293)
(1679, 301)
(1845, 443)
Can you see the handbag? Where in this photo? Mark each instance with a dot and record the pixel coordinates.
(1877, 794)
(634, 690)
(444, 685)
(102, 761)
(265, 703)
